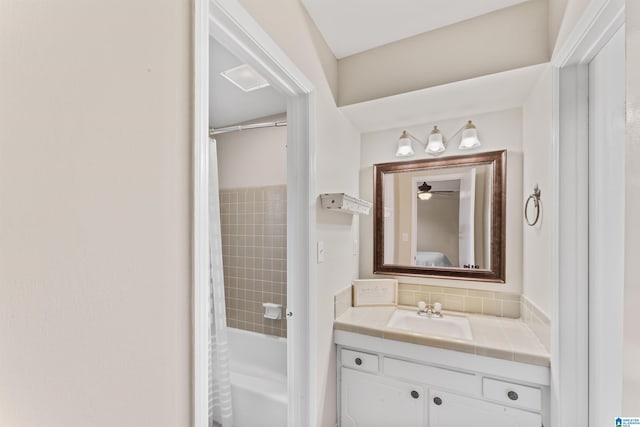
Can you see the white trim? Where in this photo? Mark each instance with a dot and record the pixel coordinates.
(598, 23)
(569, 327)
(201, 215)
(569, 349)
(606, 229)
(301, 275)
(235, 29)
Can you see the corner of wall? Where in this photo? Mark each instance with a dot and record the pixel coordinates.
(537, 170)
(328, 61)
(557, 9)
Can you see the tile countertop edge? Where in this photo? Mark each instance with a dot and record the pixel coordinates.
(372, 322)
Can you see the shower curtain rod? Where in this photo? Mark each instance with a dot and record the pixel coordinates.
(219, 131)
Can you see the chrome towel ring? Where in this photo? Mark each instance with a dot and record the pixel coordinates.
(537, 204)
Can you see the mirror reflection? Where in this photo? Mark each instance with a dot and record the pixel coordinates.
(441, 217)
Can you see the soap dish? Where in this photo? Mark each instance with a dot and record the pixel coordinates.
(272, 311)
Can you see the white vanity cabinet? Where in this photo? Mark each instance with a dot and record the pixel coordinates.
(452, 410)
(370, 400)
(393, 383)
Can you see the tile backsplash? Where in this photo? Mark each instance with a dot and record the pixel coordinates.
(537, 321)
(342, 301)
(501, 304)
(254, 250)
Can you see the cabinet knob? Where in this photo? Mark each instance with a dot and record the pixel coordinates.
(512, 395)
(415, 394)
(437, 401)
(358, 361)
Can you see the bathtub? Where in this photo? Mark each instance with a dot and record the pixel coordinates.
(258, 379)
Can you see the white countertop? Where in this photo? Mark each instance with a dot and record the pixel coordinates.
(498, 337)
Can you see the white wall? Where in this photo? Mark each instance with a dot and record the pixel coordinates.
(497, 131)
(631, 343)
(538, 161)
(95, 276)
(253, 157)
(337, 158)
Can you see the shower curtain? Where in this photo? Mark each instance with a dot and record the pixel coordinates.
(220, 412)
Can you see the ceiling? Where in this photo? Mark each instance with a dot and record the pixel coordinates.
(353, 26)
(229, 105)
(350, 26)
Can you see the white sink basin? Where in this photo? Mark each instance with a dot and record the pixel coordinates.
(449, 326)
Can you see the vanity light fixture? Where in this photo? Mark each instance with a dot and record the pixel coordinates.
(404, 145)
(436, 144)
(424, 191)
(469, 137)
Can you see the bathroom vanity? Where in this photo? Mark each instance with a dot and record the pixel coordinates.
(395, 377)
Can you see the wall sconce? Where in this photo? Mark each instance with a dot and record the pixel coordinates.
(435, 144)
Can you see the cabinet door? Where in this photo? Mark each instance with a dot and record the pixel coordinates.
(452, 410)
(368, 400)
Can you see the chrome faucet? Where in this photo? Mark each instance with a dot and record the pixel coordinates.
(429, 310)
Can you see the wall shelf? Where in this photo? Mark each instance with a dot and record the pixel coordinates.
(341, 202)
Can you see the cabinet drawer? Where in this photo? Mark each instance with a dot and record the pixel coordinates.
(445, 378)
(512, 394)
(359, 360)
(450, 409)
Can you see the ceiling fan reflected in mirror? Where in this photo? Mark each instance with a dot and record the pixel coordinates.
(425, 191)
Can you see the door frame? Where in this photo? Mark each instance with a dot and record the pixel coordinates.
(231, 25)
(606, 230)
(570, 124)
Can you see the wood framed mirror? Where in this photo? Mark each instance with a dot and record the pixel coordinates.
(442, 217)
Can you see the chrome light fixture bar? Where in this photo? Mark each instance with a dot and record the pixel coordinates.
(436, 143)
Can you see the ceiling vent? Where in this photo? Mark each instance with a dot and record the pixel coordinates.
(245, 77)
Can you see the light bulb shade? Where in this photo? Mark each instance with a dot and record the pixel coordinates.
(404, 146)
(435, 144)
(469, 137)
(423, 195)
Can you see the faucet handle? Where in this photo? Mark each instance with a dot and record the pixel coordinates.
(437, 307)
(422, 305)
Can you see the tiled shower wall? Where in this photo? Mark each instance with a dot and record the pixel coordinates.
(254, 250)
